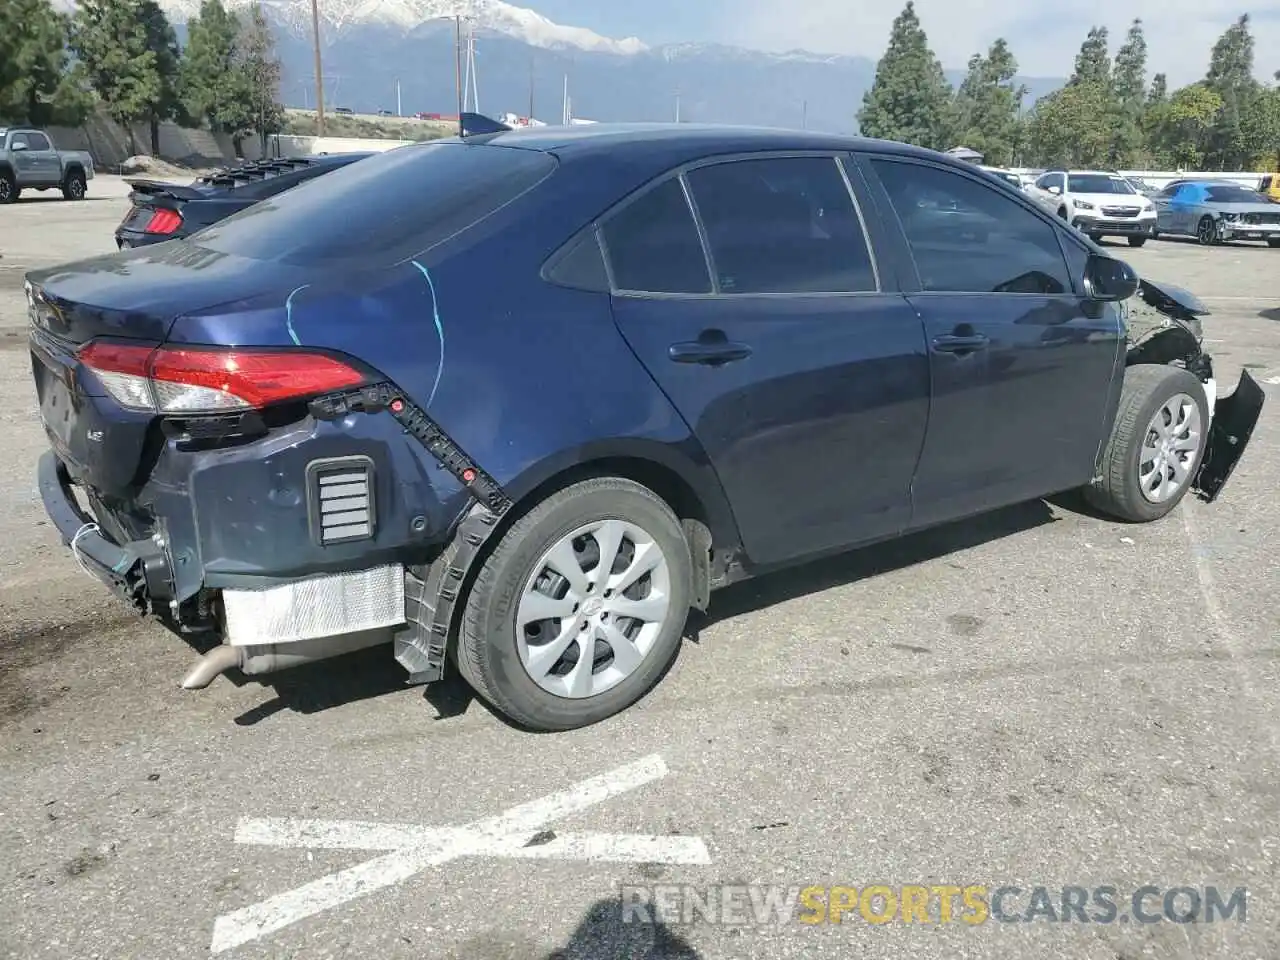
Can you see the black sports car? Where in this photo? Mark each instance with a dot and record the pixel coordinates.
(165, 211)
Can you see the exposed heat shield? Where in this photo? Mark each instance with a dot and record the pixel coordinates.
(317, 607)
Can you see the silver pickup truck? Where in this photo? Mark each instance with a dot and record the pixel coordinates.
(29, 160)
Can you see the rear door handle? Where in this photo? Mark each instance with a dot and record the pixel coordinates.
(958, 344)
(710, 352)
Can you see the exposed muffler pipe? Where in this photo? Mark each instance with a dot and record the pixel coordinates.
(258, 659)
(213, 664)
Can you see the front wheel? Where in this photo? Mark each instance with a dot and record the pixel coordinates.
(1207, 232)
(8, 187)
(1137, 241)
(1273, 242)
(1156, 444)
(580, 608)
(75, 185)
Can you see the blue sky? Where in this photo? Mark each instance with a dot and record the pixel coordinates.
(1044, 34)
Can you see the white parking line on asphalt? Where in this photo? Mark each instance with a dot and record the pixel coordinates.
(515, 833)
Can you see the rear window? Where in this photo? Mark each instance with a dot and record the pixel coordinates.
(383, 208)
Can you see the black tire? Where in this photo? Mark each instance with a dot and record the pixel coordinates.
(1063, 213)
(1273, 242)
(487, 655)
(75, 185)
(1137, 241)
(1207, 232)
(1147, 387)
(8, 187)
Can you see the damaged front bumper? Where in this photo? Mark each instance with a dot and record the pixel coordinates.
(1232, 425)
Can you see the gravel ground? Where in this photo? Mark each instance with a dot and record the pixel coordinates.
(1035, 697)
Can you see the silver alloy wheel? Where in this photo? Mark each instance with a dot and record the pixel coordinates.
(592, 609)
(1207, 232)
(1169, 452)
(4, 189)
(76, 188)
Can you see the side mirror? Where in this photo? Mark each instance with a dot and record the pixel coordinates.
(18, 145)
(1055, 190)
(1108, 279)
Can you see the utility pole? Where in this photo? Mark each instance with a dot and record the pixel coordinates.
(804, 116)
(531, 85)
(399, 112)
(457, 63)
(677, 106)
(315, 35)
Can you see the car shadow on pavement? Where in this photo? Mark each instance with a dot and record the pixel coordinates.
(846, 568)
(604, 932)
(371, 673)
(1271, 313)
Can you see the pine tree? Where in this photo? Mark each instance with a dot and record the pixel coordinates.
(210, 82)
(910, 100)
(1231, 77)
(109, 38)
(987, 105)
(260, 70)
(163, 42)
(1129, 82)
(1159, 91)
(38, 85)
(1093, 62)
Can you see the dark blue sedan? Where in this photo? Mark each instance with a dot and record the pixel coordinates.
(516, 403)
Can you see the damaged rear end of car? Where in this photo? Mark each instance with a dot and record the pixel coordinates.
(232, 450)
(1165, 327)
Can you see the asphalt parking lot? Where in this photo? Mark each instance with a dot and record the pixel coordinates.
(1037, 697)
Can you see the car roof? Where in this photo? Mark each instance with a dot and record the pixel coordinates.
(683, 142)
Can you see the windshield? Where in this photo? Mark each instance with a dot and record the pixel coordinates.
(1231, 195)
(383, 209)
(1098, 183)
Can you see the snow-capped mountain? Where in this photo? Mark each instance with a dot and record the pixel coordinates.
(337, 16)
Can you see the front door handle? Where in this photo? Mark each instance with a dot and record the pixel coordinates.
(961, 344)
(710, 352)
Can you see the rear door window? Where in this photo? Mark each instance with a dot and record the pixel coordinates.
(383, 208)
(653, 245)
(782, 225)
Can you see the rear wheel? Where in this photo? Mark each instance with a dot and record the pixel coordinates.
(1063, 213)
(8, 187)
(1207, 232)
(74, 186)
(1156, 444)
(1273, 242)
(580, 607)
(1137, 241)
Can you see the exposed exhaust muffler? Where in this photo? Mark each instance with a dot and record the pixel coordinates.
(260, 659)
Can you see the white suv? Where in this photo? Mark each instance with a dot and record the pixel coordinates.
(1098, 203)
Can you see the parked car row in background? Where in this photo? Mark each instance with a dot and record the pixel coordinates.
(1107, 204)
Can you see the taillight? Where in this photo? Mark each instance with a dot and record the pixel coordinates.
(163, 221)
(209, 380)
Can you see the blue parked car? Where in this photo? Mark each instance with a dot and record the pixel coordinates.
(518, 402)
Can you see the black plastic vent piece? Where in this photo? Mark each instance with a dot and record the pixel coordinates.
(340, 500)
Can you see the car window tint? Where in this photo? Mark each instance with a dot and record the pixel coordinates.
(18, 138)
(381, 209)
(782, 225)
(38, 141)
(967, 237)
(653, 244)
(1232, 194)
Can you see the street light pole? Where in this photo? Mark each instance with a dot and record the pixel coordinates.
(315, 34)
(457, 63)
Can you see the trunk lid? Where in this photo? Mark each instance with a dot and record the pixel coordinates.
(131, 296)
